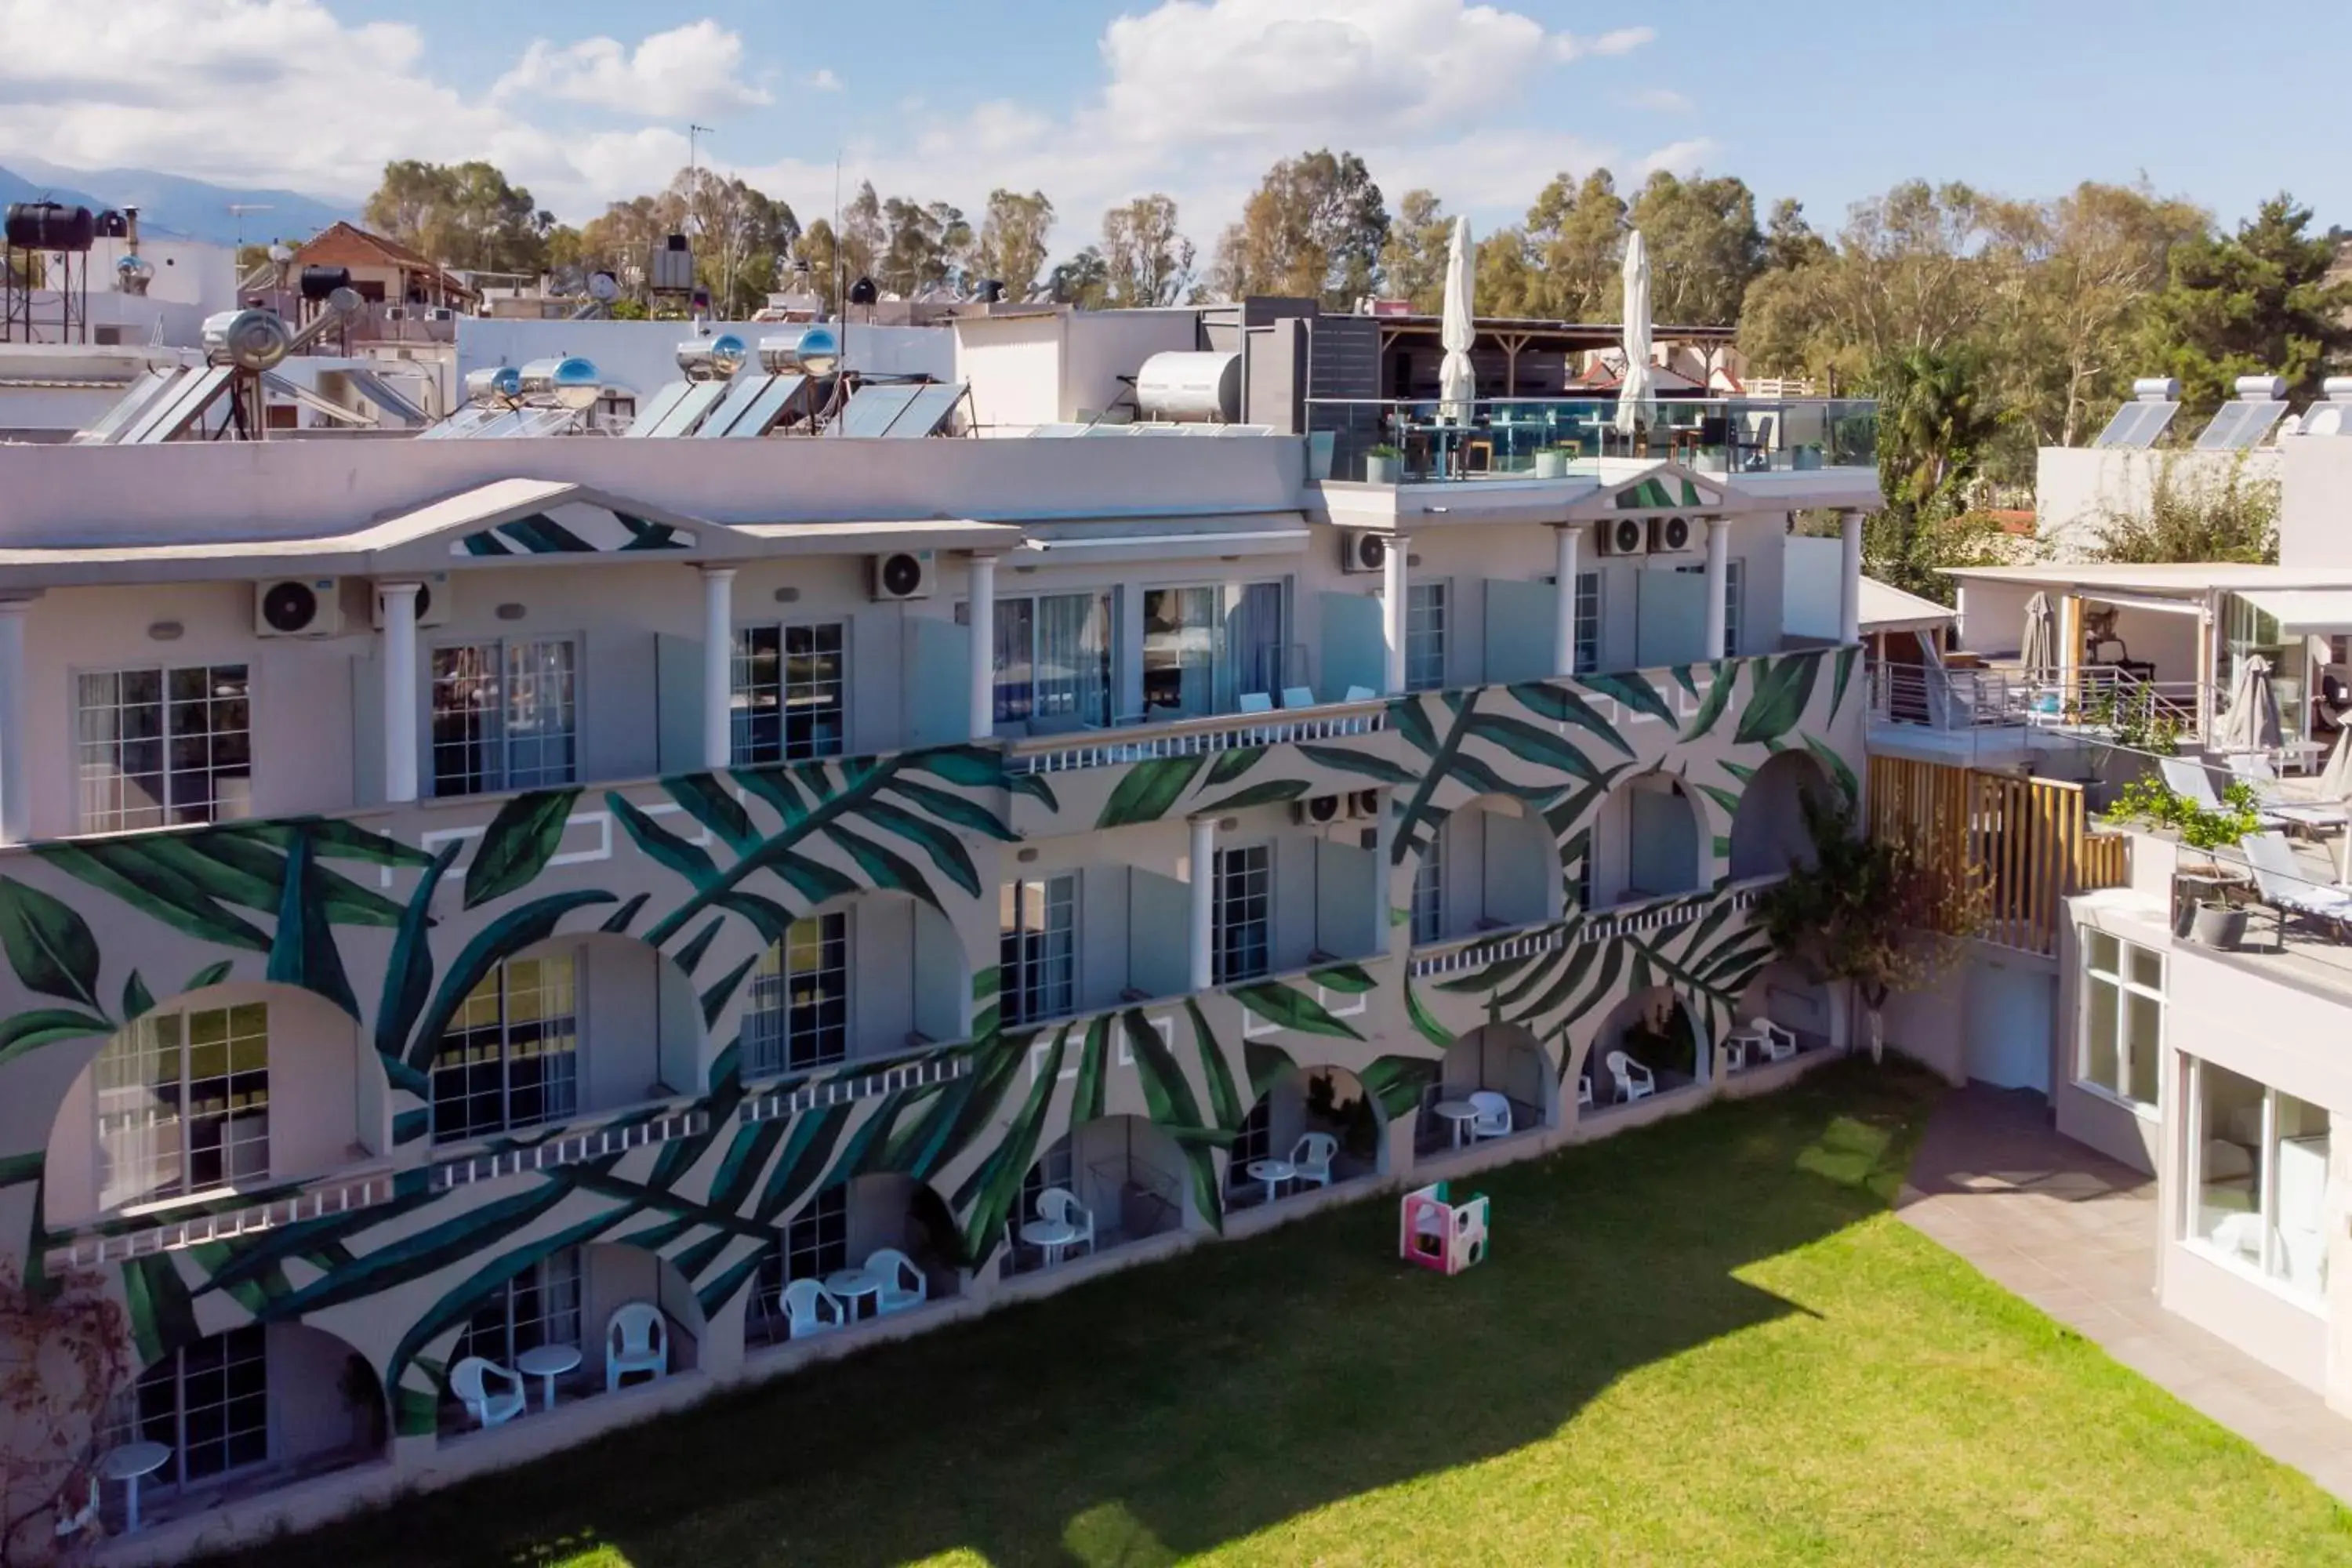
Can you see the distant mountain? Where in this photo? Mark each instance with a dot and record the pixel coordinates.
(173, 204)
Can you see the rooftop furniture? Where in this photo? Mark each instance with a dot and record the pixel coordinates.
(2254, 770)
(492, 1394)
(1311, 1157)
(126, 1464)
(1633, 1080)
(1585, 1090)
(1273, 1173)
(2286, 891)
(2187, 780)
(547, 1363)
(1770, 1040)
(1493, 1119)
(904, 1286)
(1457, 1115)
(636, 1340)
(1257, 702)
(852, 1285)
(810, 1309)
(1058, 1206)
(1298, 697)
(1359, 694)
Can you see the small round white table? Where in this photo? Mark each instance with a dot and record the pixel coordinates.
(853, 1285)
(126, 1464)
(1049, 1235)
(1273, 1173)
(1461, 1114)
(547, 1362)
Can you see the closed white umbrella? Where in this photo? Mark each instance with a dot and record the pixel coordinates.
(1457, 385)
(2336, 778)
(2040, 655)
(1634, 406)
(2252, 724)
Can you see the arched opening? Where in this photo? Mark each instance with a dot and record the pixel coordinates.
(235, 1087)
(873, 975)
(1649, 1045)
(1313, 1129)
(1491, 864)
(1130, 1182)
(1494, 1082)
(581, 1323)
(1768, 832)
(569, 1027)
(875, 1245)
(1783, 1012)
(248, 1410)
(1650, 841)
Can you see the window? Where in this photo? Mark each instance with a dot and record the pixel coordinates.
(1197, 660)
(1038, 948)
(2257, 1178)
(504, 716)
(209, 1404)
(1253, 1141)
(1244, 908)
(158, 747)
(1425, 637)
(799, 1014)
(184, 1104)
(790, 693)
(539, 1306)
(1428, 891)
(2123, 1018)
(511, 1056)
(1053, 659)
(1734, 602)
(815, 1243)
(1587, 622)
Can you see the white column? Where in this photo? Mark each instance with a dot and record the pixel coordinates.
(1850, 580)
(1563, 625)
(718, 666)
(984, 647)
(1204, 902)
(1393, 620)
(16, 814)
(1718, 584)
(400, 698)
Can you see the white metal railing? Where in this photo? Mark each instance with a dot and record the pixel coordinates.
(172, 1235)
(1195, 737)
(942, 1066)
(1946, 699)
(1660, 914)
(2091, 698)
(573, 1148)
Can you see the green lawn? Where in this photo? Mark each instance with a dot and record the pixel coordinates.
(1705, 1342)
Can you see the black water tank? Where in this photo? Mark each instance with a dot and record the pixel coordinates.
(990, 291)
(46, 225)
(113, 225)
(318, 282)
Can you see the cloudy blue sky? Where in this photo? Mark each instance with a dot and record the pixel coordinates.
(1094, 101)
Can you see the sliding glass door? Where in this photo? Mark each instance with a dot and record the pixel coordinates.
(1204, 649)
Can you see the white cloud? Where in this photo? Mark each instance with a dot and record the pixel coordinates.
(683, 73)
(1678, 157)
(821, 79)
(1664, 100)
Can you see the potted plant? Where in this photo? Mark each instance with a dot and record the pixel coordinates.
(1874, 915)
(2205, 914)
(1552, 463)
(1381, 465)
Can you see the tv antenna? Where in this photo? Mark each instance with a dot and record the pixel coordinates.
(238, 209)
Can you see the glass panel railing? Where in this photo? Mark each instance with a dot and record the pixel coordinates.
(1423, 441)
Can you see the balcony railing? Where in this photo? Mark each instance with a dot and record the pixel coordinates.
(1418, 441)
(2090, 700)
(1195, 737)
(1485, 948)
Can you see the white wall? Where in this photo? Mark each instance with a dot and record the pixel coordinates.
(187, 271)
(2315, 501)
(2075, 487)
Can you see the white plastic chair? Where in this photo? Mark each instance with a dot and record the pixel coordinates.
(1257, 702)
(896, 1270)
(1298, 697)
(636, 1339)
(1361, 694)
(471, 1380)
(807, 1304)
(1777, 1041)
(1584, 1092)
(1311, 1157)
(1058, 1206)
(1494, 1117)
(1633, 1080)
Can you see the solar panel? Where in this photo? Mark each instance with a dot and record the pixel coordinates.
(463, 422)
(372, 386)
(688, 411)
(741, 395)
(1057, 432)
(1098, 430)
(2137, 426)
(654, 411)
(2240, 425)
(180, 407)
(930, 408)
(137, 398)
(521, 423)
(777, 397)
(1245, 429)
(871, 412)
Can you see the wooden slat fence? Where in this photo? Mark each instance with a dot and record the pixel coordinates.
(2023, 845)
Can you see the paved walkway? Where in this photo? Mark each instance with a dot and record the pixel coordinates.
(2075, 1233)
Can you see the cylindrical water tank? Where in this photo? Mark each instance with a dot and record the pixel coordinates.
(2337, 389)
(1197, 388)
(813, 350)
(712, 359)
(50, 226)
(249, 340)
(2157, 389)
(2260, 388)
(569, 382)
(493, 383)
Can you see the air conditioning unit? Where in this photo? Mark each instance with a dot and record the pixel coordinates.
(1624, 536)
(396, 313)
(1320, 810)
(902, 574)
(298, 608)
(1364, 806)
(434, 601)
(1361, 550)
(1673, 535)
(440, 314)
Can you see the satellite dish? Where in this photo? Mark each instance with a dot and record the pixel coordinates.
(249, 340)
(604, 288)
(819, 351)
